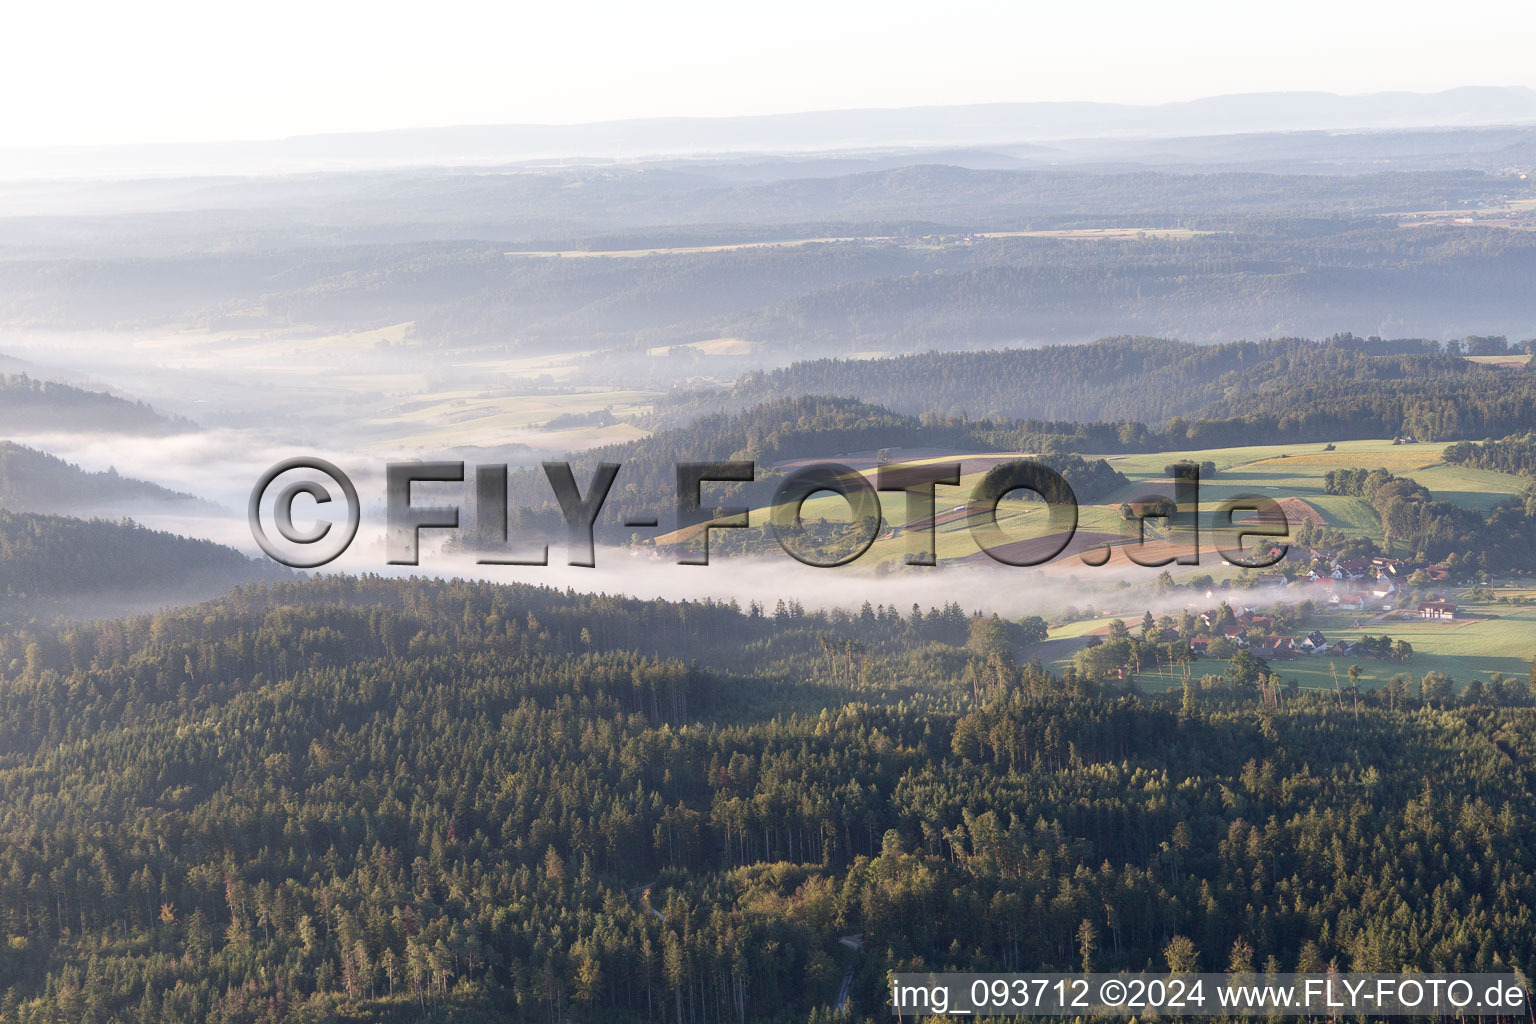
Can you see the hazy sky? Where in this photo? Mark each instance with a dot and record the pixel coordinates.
(96, 72)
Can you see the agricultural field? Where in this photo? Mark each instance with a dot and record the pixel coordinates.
(711, 347)
(1019, 520)
(449, 419)
(1488, 637)
(919, 242)
(1281, 471)
(1512, 360)
(1292, 475)
(375, 390)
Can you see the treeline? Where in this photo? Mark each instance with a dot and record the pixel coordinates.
(1516, 455)
(31, 405)
(1114, 379)
(1291, 253)
(813, 428)
(394, 800)
(1145, 394)
(35, 481)
(1271, 260)
(1433, 530)
(1204, 288)
(57, 564)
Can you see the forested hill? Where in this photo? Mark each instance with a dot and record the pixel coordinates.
(51, 565)
(370, 800)
(781, 430)
(1278, 390)
(34, 481)
(1145, 379)
(28, 405)
(899, 259)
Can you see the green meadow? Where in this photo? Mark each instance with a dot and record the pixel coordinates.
(1281, 471)
(1274, 471)
(1490, 637)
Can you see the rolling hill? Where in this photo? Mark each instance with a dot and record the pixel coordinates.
(57, 565)
(34, 481)
(28, 405)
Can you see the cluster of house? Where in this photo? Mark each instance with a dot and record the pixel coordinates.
(1343, 584)
(1358, 584)
(1253, 632)
(1348, 584)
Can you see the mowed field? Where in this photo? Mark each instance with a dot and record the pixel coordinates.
(445, 419)
(1490, 637)
(1493, 637)
(921, 242)
(1513, 360)
(379, 389)
(1298, 471)
(712, 347)
(1020, 521)
(1292, 475)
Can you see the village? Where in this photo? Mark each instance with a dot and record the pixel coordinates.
(1266, 613)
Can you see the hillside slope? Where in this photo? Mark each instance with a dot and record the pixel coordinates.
(28, 405)
(372, 800)
(35, 481)
(57, 565)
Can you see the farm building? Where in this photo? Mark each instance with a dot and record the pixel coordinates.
(1437, 610)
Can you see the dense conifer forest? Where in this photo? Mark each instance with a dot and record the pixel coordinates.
(357, 799)
(59, 564)
(29, 404)
(1149, 394)
(34, 481)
